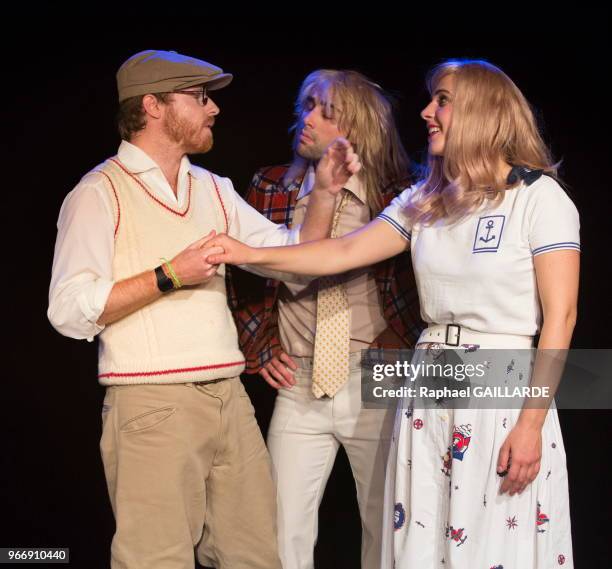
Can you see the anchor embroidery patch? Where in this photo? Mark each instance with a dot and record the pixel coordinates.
(399, 516)
(488, 234)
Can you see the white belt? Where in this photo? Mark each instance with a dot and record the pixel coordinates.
(454, 335)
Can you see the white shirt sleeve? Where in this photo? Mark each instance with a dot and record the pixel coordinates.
(553, 221)
(395, 213)
(81, 278)
(249, 226)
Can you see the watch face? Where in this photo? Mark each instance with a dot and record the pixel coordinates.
(164, 283)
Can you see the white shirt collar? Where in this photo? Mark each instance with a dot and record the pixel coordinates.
(138, 161)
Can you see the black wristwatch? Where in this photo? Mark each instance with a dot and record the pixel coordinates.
(164, 282)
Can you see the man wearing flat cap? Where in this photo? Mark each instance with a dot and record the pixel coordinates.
(184, 459)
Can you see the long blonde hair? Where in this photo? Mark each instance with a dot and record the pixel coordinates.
(491, 121)
(367, 119)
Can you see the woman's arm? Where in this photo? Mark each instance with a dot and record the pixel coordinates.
(371, 244)
(557, 280)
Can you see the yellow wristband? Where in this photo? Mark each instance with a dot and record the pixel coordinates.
(175, 280)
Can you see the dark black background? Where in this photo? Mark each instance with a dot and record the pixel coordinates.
(59, 111)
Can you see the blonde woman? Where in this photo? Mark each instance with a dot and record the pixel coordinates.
(495, 249)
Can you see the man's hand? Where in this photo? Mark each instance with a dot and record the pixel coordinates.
(232, 252)
(338, 163)
(278, 371)
(191, 265)
(131, 294)
(519, 458)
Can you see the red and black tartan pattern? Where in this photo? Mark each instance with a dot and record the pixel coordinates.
(253, 299)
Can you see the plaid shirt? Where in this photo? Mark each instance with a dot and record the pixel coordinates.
(253, 299)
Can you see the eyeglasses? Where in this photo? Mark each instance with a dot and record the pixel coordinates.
(201, 95)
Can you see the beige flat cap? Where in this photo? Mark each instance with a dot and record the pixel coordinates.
(155, 71)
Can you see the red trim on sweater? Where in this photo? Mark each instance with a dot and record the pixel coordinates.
(135, 178)
(222, 204)
(168, 371)
(117, 199)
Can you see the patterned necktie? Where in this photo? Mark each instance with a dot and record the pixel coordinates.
(330, 368)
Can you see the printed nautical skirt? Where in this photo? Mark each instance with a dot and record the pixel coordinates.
(443, 507)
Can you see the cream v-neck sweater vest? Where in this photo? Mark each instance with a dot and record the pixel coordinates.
(188, 334)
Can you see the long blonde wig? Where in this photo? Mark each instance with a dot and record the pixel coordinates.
(491, 122)
(366, 116)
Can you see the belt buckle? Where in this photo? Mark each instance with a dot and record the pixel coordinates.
(447, 341)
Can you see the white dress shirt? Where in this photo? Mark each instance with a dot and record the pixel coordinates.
(82, 280)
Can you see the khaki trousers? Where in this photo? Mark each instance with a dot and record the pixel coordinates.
(187, 468)
(304, 436)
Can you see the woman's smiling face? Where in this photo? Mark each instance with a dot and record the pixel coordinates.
(437, 114)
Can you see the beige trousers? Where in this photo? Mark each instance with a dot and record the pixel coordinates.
(304, 436)
(187, 469)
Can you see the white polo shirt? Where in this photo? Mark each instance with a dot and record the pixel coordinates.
(479, 272)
